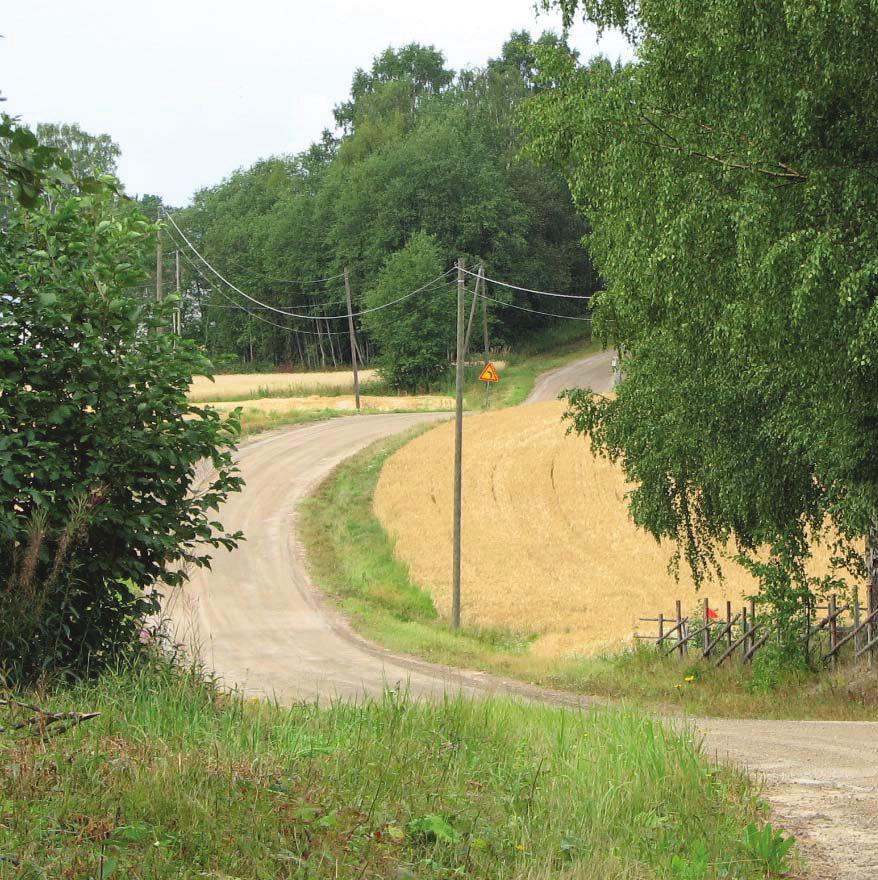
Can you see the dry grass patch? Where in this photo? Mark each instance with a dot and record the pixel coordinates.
(548, 547)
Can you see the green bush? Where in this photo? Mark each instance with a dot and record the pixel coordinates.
(98, 443)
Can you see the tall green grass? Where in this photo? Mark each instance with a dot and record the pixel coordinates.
(176, 780)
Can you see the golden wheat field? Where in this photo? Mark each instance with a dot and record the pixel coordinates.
(548, 547)
(249, 385)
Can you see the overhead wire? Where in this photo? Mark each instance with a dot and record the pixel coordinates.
(526, 289)
(236, 305)
(532, 311)
(295, 314)
(312, 281)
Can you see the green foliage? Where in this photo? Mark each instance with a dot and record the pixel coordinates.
(770, 847)
(423, 149)
(26, 163)
(777, 666)
(416, 335)
(731, 178)
(89, 155)
(99, 446)
(176, 779)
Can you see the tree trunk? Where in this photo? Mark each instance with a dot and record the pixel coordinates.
(320, 343)
(331, 346)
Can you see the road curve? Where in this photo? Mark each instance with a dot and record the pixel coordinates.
(259, 623)
(594, 371)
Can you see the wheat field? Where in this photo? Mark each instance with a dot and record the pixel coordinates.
(548, 547)
(250, 385)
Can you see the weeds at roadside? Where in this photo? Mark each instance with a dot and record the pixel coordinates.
(177, 779)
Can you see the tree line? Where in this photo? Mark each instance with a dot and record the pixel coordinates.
(419, 150)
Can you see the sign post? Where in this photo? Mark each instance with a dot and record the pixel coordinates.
(489, 376)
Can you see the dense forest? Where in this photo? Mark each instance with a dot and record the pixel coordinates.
(419, 150)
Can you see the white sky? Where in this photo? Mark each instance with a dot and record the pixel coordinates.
(193, 89)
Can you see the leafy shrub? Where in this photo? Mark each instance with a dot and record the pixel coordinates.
(98, 443)
(770, 847)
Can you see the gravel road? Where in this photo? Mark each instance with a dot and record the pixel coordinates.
(260, 624)
(595, 372)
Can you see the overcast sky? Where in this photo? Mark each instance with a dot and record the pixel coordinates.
(192, 90)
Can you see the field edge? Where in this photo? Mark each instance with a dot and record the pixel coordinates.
(352, 561)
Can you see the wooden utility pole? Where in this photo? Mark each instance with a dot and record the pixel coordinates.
(158, 261)
(347, 290)
(472, 312)
(178, 323)
(458, 444)
(485, 316)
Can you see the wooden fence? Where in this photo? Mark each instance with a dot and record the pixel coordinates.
(718, 638)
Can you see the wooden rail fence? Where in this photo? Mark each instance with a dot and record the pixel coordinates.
(718, 638)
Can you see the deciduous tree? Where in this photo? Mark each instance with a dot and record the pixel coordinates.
(730, 175)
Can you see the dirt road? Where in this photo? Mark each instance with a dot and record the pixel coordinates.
(261, 625)
(593, 372)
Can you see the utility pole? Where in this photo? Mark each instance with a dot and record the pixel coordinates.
(472, 311)
(178, 322)
(458, 445)
(347, 290)
(158, 259)
(485, 316)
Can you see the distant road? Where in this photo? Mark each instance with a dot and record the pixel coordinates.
(594, 371)
(262, 625)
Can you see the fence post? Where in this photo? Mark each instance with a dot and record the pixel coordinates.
(729, 621)
(856, 612)
(661, 623)
(705, 635)
(680, 643)
(745, 643)
(752, 639)
(833, 630)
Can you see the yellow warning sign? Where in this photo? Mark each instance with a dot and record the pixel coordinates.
(489, 374)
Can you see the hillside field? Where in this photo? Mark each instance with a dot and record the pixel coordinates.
(548, 546)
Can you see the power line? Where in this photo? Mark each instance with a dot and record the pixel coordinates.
(528, 289)
(314, 281)
(235, 305)
(195, 268)
(532, 311)
(295, 314)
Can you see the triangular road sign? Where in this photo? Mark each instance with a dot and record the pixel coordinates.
(489, 374)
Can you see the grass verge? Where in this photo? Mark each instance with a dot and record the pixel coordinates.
(255, 421)
(176, 780)
(352, 560)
